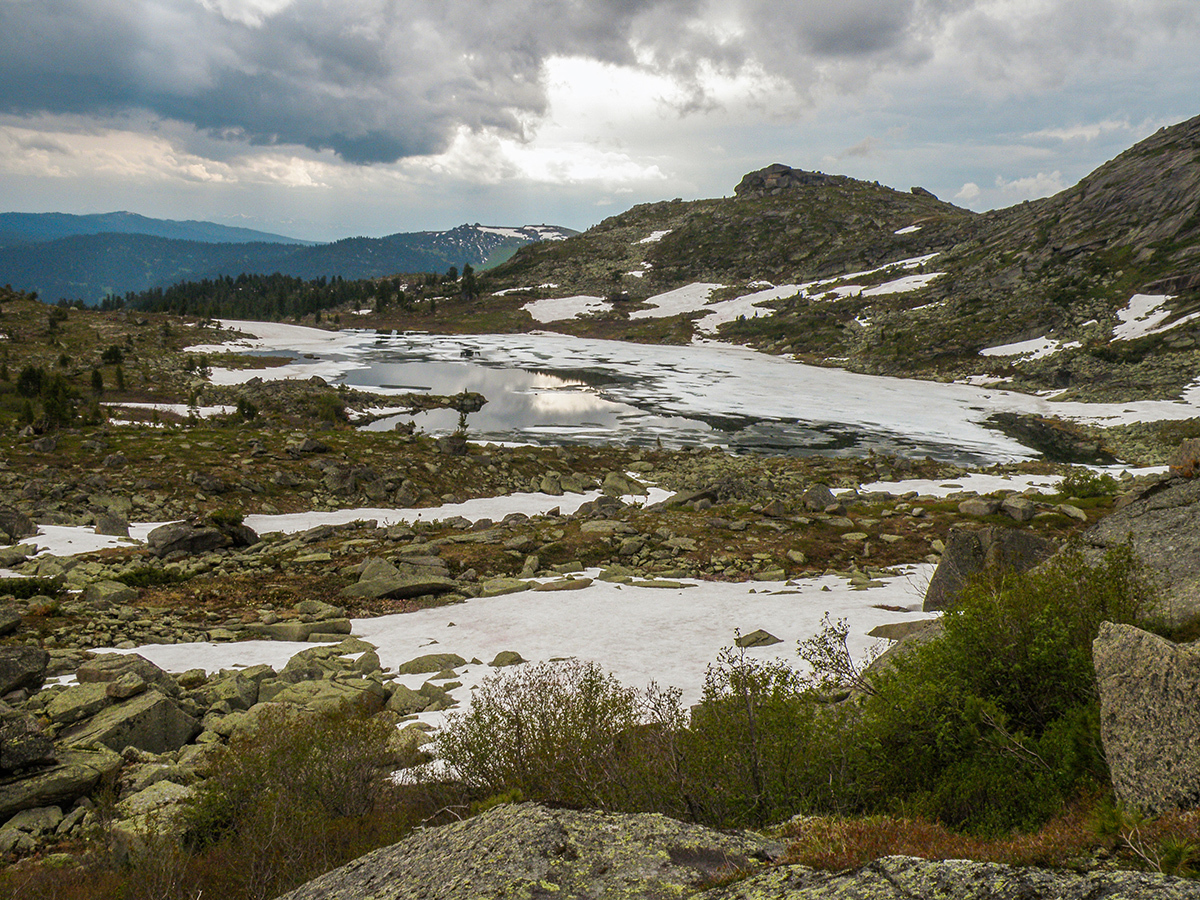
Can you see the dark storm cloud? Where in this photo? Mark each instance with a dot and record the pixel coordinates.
(378, 80)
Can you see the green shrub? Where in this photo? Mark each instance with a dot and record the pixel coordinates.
(148, 576)
(1084, 483)
(760, 746)
(294, 798)
(226, 517)
(566, 733)
(24, 588)
(996, 725)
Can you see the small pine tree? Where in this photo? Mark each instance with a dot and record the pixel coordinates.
(97, 382)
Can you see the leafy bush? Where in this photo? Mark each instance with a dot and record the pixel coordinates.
(148, 576)
(226, 517)
(1084, 483)
(996, 725)
(557, 732)
(293, 798)
(760, 746)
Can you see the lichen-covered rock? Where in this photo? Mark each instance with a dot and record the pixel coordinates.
(112, 666)
(906, 878)
(23, 744)
(526, 850)
(430, 662)
(1149, 717)
(76, 773)
(150, 721)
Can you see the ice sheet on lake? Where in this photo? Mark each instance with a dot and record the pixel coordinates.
(721, 383)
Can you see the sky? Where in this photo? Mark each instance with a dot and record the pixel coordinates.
(323, 119)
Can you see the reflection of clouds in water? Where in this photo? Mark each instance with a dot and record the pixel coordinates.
(574, 402)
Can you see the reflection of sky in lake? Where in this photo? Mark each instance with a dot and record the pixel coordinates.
(524, 406)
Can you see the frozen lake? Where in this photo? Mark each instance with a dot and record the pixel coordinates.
(556, 389)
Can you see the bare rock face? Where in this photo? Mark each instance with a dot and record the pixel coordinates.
(777, 178)
(970, 552)
(1149, 717)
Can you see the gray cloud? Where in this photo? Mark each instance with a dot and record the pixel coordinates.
(378, 80)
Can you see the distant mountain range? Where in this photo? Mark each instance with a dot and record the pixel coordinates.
(28, 228)
(89, 257)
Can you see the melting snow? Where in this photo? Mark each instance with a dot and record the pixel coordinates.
(686, 299)
(555, 310)
(667, 635)
(655, 237)
(1144, 316)
(911, 229)
(1035, 348)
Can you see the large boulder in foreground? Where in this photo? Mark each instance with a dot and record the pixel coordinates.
(529, 851)
(526, 850)
(975, 551)
(1149, 717)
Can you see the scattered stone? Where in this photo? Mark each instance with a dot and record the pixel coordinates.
(507, 658)
(979, 506)
(757, 638)
(817, 497)
(75, 774)
(150, 721)
(1020, 508)
(22, 742)
(16, 526)
(10, 620)
(109, 523)
(103, 594)
(565, 584)
(22, 667)
(430, 662)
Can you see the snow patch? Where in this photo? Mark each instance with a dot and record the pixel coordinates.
(655, 237)
(1144, 316)
(911, 229)
(559, 308)
(1035, 348)
(686, 299)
